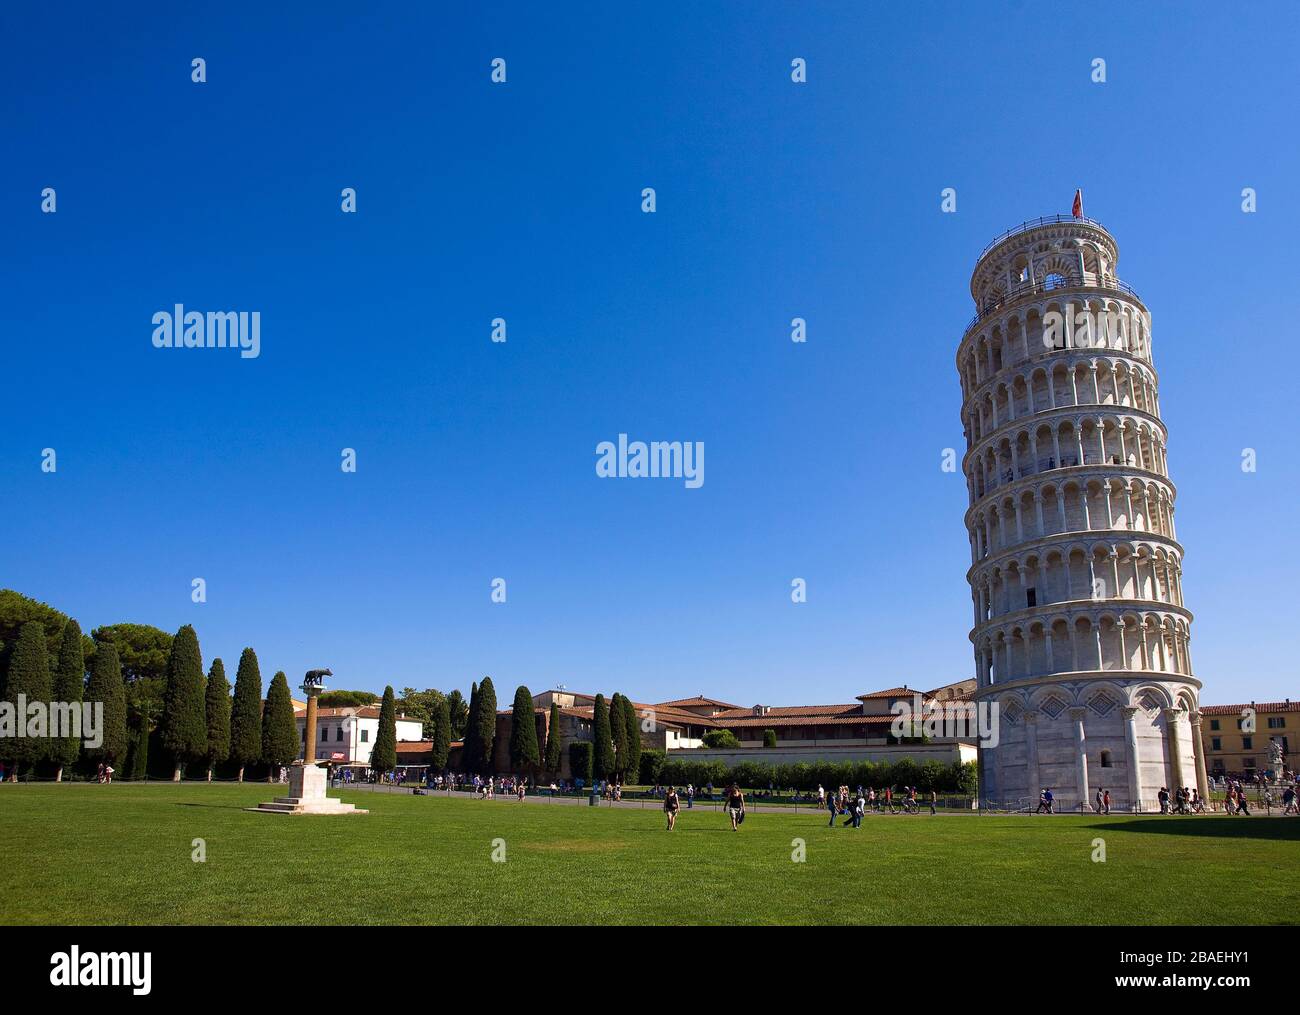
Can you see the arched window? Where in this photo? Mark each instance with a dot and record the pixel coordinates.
(1053, 280)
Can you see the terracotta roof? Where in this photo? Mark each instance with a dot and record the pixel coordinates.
(1258, 706)
(893, 692)
(667, 716)
(772, 721)
(697, 701)
(414, 746)
(783, 711)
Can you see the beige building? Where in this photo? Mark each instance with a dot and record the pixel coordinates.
(1239, 739)
(1080, 635)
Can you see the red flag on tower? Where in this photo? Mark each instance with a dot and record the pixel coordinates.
(1077, 210)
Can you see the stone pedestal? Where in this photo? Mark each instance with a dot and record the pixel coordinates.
(306, 795)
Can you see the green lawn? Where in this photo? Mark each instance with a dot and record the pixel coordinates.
(88, 854)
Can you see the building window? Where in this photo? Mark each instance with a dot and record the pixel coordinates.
(1105, 759)
(1277, 722)
(1215, 744)
(1247, 744)
(325, 733)
(1032, 596)
(1248, 764)
(1214, 724)
(339, 738)
(365, 736)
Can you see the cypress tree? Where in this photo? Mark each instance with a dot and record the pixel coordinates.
(69, 685)
(602, 747)
(140, 751)
(633, 770)
(553, 759)
(524, 753)
(384, 756)
(487, 725)
(459, 712)
(469, 754)
(618, 732)
(106, 687)
(184, 728)
(216, 703)
(29, 675)
(246, 713)
(440, 747)
(280, 740)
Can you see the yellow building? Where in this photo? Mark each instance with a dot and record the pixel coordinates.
(1237, 738)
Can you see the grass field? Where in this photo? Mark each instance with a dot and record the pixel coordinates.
(86, 854)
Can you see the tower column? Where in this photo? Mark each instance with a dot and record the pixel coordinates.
(1080, 756)
(1175, 743)
(1198, 750)
(1031, 754)
(1134, 759)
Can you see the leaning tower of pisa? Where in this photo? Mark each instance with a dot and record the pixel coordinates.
(1080, 636)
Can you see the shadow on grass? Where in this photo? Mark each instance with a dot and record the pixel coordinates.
(1286, 829)
(216, 807)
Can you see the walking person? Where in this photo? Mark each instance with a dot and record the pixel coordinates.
(830, 806)
(671, 806)
(934, 800)
(1105, 801)
(735, 806)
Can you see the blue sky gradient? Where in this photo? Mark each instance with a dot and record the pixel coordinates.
(476, 460)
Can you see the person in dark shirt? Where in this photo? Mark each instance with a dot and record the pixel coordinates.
(735, 806)
(671, 806)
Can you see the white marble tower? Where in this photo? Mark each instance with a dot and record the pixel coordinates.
(1080, 636)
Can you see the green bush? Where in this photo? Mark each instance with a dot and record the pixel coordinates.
(717, 739)
(652, 763)
(769, 738)
(580, 760)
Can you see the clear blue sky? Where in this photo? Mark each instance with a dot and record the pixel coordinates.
(476, 460)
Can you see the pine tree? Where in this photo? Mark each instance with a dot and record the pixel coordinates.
(29, 675)
(246, 713)
(184, 728)
(470, 751)
(524, 753)
(553, 755)
(633, 741)
(280, 740)
(106, 688)
(216, 703)
(618, 733)
(602, 747)
(487, 726)
(68, 687)
(384, 756)
(440, 746)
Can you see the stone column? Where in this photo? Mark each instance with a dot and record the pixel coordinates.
(1198, 749)
(1175, 740)
(1080, 754)
(1134, 758)
(309, 745)
(1031, 754)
